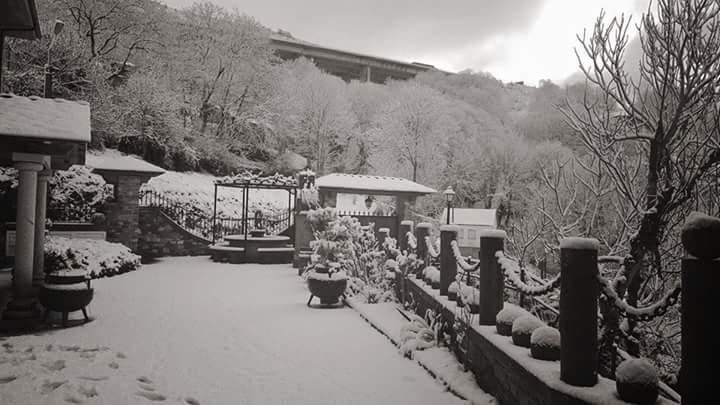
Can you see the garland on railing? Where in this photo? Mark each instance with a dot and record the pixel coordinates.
(412, 240)
(431, 249)
(467, 267)
(650, 312)
(511, 269)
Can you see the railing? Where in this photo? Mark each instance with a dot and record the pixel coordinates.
(200, 223)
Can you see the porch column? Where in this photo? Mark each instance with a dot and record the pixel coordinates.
(40, 211)
(23, 305)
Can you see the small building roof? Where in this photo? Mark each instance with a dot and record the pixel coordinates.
(19, 19)
(366, 184)
(472, 216)
(55, 127)
(116, 161)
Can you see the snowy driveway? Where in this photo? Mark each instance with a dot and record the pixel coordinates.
(240, 334)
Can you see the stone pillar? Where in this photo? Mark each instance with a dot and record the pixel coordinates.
(23, 304)
(579, 289)
(448, 264)
(492, 280)
(365, 74)
(382, 234)
(700, 278)
(421, 231)
(40, 211)
(405, 227)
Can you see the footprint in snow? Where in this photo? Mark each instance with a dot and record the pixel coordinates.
(4, 379)
(88, 392)
(146, 387)
(144, 380)
(96, 379)
(153, 396)
(120, 355)
(191, 401)
(56, 365)
(72, 398)
(113, 365)
(50, 386)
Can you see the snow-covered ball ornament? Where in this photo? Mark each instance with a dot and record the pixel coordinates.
(453, 289)
(545, 343)
(434, 277)
(505, 318)
(523, 327)
(636, 381)
(701, 236)
(471, 296)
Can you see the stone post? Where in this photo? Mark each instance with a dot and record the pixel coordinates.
(382, 234)
(492, 280)
(405, 227)
(22, 306)
(40, 211)
(421, 231)
(700, 278)
(579, 289)
(448, 264)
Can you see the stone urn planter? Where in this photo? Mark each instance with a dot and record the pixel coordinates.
(327, 285)
(65, 292)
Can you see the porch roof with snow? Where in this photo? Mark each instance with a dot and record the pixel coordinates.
(54, 127)
(366, 184)
(112, 160)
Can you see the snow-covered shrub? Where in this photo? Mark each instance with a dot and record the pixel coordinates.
(637, 381)
(76, 194)
(98, 258)
(471, 298)
(523, 327)
(505, 318)
(453, 290)
(545, 343)
(419, 334)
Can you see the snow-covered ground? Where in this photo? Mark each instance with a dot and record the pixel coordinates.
(186, 330)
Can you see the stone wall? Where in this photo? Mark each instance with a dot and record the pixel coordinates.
(507, 371)
(161, 236)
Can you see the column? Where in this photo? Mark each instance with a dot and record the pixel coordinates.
(579, 290)
(40, 211)
(22, 305)
(421, 231)
(492, 280)
(405, 227)
(448, 264)
(365, 74)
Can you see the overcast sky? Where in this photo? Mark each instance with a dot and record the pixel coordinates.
(514, 40)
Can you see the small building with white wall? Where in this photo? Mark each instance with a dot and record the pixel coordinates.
(471, 221)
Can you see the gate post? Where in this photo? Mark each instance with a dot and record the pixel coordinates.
(421, 231)
(448, 265)
(579, 290)
(492, 280)
(405, 227)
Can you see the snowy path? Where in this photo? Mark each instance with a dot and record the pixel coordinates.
(222, 334)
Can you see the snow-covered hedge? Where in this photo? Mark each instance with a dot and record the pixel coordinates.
(98, 258)
(637, 381)
(74, 194)
(523, 327)
(545, 343)
(505, 318)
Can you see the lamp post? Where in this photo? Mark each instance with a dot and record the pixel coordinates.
(449, 196)
(48, 69)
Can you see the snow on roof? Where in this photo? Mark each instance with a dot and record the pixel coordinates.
(472, 216)
(367, 183)
(44, 119)
(112, 159)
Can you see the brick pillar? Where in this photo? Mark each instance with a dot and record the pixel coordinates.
(579, 289)
(448, 264)
(492, 280)
(122, 214)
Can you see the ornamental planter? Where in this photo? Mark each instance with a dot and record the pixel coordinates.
(328, 287)
(66, 292)
(637, 381)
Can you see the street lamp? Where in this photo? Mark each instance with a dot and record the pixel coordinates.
(48, 70)
(449, 196)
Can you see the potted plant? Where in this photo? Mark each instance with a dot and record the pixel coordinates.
(327, 282)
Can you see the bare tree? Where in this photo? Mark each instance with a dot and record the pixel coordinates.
(659, 126)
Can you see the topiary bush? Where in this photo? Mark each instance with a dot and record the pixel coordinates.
(545, 343)
(636, 381)
(505, 318)
(523, 327)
